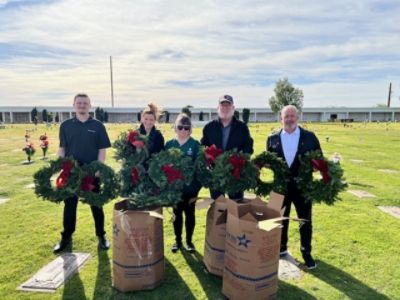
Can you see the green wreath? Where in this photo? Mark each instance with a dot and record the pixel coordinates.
(325, 189)
(131, 145)
(131, 176)
(97, 191)
(204, 164)
(234, 172)
(169, 171)
(66, 184)
(280, 170)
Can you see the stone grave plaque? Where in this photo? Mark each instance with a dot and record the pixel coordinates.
(288, 268)
(53, 275)
(3, 200)
(361, 194)
(391, 210)
(388, 171)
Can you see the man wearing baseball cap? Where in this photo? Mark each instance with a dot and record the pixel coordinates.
(227, 133)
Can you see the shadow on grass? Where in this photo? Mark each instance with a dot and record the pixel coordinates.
(344, 282)
(103, 278)
(287, 291)
(173, 287)
(210, 284)
(73, 287)
(361, 184)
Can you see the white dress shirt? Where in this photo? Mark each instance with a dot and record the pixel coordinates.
(290, 143)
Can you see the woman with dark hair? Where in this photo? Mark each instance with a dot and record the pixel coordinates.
(147, 127)
(189, 146)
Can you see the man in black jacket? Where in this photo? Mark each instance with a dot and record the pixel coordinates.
(227, 133)
(289, 143)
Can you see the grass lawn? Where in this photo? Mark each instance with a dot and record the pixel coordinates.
(355, 244)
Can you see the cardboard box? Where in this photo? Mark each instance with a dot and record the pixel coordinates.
(138, 248)
(214, 245)
(253, 237)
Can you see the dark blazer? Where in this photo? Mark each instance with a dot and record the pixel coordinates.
(239, 136)
(156, 139)
(307, 142)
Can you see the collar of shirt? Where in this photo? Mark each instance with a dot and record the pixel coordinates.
(294, 133)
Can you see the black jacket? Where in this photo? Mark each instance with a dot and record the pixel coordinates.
(239, 136)
(307, 142)
(156, 139)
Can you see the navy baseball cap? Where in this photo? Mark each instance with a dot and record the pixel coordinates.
(226, 98)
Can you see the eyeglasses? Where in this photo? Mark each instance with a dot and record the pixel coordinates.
(182, 127)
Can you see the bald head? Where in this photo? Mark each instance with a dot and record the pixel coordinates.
(289, 118)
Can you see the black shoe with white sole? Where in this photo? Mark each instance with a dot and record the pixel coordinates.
(309, 261)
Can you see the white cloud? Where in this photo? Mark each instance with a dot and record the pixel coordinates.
(341, 53)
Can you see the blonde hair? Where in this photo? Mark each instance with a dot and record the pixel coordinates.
(152, 109)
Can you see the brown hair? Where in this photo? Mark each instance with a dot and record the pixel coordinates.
(183, 119)
(152, 109)
(81, 95)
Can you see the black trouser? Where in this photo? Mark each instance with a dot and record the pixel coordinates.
(69, 221)
(304, 211)
(238, 196)
(190, 219)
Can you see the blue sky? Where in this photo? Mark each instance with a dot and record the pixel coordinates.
(341, 53)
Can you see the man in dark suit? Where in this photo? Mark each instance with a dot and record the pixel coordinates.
(227, 133)
(289, 143)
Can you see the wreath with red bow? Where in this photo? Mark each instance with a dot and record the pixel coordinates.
(280, 171)
(64, 186)
(234, 172)
(204, 164)
(325, 189)
(99, 184)
(168, 172)
(131, 145)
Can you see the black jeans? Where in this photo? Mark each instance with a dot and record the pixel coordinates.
(190, 220)
(304, 211)
(69, 221)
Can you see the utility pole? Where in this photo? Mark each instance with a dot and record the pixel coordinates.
(390, 94)
(112, 83)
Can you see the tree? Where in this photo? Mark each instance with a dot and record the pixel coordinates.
(99, 114)
(201, 116)
(166, 113)
(105, 117)
(57, 118)
(139, 116)
(285, 94)
(45, 115)
(186, 110)
(236, 114)
(34, 115)
(246, 115)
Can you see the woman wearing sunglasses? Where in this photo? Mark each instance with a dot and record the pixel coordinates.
(147, 127)
(189, 146)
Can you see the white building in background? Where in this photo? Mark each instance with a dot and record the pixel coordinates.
(21, 114)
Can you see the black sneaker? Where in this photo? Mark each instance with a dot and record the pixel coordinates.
(309, 261)
(190, 247)
(103, 243)
(175, 247)
(283, 252)
(61, 245)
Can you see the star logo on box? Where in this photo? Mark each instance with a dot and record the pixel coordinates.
(243, 241)
(115, 230)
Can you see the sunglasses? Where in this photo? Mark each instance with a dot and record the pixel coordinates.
(182, 127)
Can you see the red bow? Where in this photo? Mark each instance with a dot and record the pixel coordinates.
(322, 166)
(87, 183)
(171, 173)
(62, 179)
(138, 144)
(133, 134)
(211, 153)
(44, 144)
(238, 163)
(134, 176)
